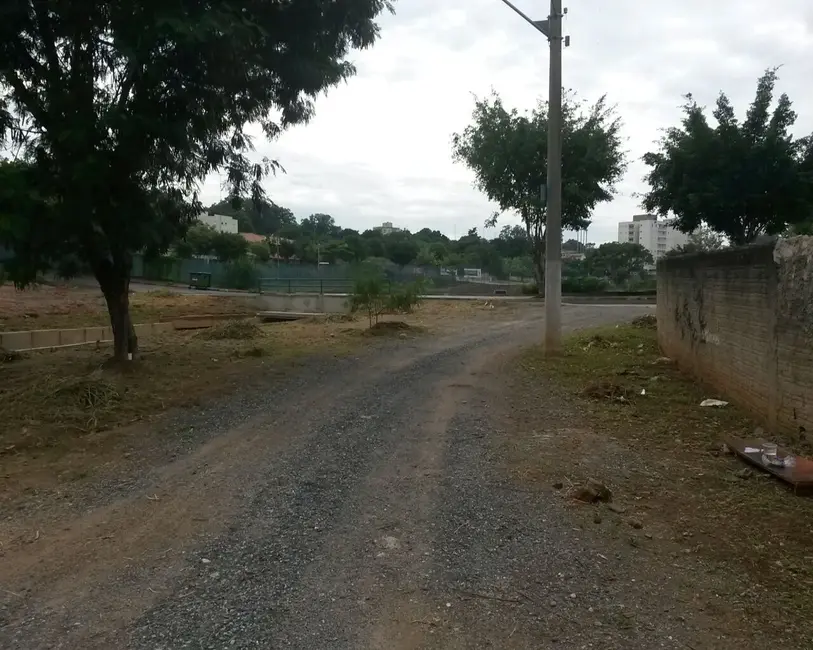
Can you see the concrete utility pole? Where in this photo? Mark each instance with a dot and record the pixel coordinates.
(552, 28)
(553, 226)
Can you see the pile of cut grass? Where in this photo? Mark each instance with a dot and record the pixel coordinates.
(232, 330)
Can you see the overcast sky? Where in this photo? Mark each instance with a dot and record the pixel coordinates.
(379, 147)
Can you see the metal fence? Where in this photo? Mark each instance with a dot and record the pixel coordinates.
(305, 285)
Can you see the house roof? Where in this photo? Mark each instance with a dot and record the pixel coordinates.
(252, 237)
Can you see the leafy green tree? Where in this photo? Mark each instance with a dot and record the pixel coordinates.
(228, 246)
(320, 226)
(431, 236)
(741, 179)
(521, 267)
(507, 151)
(439, 251)
(401, 248)
(287, 248)
(272, 219)
(513, 242)
(618, 261)
(355, 245)
(198, 240)
(120, 110)
(260, 250)
(374, 242)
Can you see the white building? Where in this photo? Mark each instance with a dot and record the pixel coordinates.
(387, 228)
(658, 237)
(219, 222)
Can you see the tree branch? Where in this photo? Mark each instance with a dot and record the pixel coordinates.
(26, 96)
(48, 40)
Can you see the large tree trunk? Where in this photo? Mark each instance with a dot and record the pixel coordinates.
(537, 238)
(114, 280)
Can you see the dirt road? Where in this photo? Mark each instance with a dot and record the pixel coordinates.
(357, 504)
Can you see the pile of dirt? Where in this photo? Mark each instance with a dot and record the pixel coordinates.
(392, 328)
(647, 321)
(606, 390)
(242, 330)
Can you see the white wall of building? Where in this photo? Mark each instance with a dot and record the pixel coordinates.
(658, 237)
(219, 222)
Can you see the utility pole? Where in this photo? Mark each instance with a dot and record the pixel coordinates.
(552, 28)
(553, 229)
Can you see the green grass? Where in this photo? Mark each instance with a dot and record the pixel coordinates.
(626, 360)
(756, 526)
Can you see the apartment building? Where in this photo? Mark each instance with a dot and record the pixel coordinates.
(219, 222)
(658, 237)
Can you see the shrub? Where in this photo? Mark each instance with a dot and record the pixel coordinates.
(584, 284)
(370, 296)
(530, 289)
(405, 297)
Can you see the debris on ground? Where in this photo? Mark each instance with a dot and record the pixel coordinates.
(598, 341)
(787, 466)
(609, 391)
(9, 356)
(591, 492)
(244, 329)
(647, 321)
(716, 403)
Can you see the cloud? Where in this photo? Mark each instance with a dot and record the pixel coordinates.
(379, 149)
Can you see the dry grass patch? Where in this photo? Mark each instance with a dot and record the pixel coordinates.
(232, 330)
(640, 429)
(47, 399)
(58, 307)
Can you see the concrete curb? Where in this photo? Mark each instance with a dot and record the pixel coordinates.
(32, 340)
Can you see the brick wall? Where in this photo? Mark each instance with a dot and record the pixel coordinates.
(741, 321)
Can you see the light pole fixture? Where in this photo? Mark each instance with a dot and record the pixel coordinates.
(552, 29)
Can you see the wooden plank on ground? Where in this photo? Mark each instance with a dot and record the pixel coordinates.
(800, 475)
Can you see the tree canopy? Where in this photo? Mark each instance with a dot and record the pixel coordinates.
(114, 113)
(261, 217)
(741, 179)
(507, 151)
(618, 261)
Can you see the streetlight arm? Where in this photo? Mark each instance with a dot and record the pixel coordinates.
(539, 25)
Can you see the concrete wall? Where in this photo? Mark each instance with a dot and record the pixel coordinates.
(741, 320)
(306, 303)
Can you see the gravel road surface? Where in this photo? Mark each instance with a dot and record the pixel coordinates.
(357, 504)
